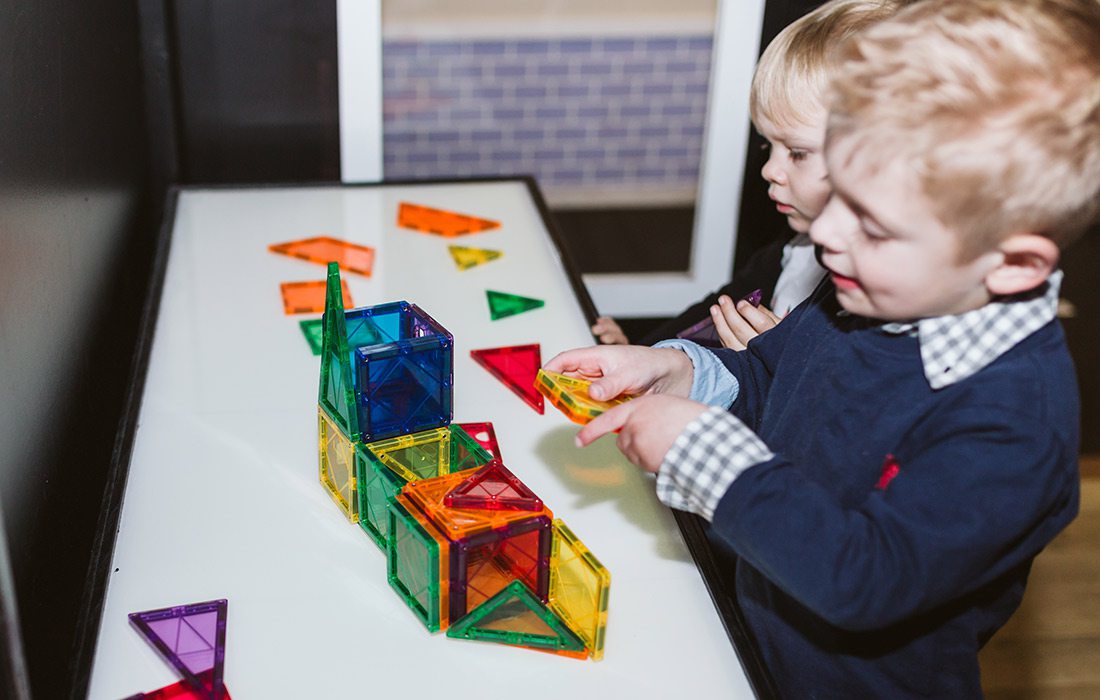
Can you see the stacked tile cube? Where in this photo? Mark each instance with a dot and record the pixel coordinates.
(392, 461)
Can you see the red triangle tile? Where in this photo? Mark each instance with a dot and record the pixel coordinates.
(493, 487)
(181, 691)
(484, 435)
(516, 366)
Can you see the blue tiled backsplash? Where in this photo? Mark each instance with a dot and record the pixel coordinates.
(602, 113)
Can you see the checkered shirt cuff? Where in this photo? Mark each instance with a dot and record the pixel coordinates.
(712, 451)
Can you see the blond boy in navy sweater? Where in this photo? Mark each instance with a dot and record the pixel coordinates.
(888, 461)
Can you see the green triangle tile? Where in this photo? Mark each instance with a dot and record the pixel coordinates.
(516, 617)
(465, 257)
(502, 305)
(313, 330)
(337, 391)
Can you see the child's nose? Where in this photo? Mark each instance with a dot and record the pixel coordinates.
(827, 229)
(772, 172)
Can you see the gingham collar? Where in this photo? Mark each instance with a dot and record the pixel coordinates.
(953, 348)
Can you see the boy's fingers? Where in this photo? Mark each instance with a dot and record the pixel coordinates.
(768, 312)
(607, 388)
(606, 422)
(757, 320)
(605, 324)
(572, 361)
(724, 325)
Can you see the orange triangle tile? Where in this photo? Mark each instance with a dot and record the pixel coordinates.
(323, 249)
(440, 221)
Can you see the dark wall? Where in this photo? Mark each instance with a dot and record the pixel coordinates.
(73, 257)
(257, 90)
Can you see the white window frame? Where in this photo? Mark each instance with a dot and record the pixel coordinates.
(717, 203)
(714, 237)
(359, 65)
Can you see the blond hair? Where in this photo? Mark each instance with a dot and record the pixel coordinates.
(995, 105)
(794, 71)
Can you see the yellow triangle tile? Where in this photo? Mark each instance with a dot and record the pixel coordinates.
(465, 258)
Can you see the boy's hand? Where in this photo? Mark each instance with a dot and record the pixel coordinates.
(615, 370)
(739, 323)
(608, 332)
(647, 427)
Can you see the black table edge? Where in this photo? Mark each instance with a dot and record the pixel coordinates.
(95, 590)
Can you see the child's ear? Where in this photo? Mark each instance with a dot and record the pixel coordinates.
(1028, 259)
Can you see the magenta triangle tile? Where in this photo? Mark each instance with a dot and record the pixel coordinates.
(493, 487)
(192, 639)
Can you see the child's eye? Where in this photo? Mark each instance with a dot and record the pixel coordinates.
(798, 156)
(872, 236)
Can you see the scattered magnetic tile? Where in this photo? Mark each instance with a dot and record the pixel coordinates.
(754, 297)
(191, 638)
(465, 258)
(179, 691)
(440, 221)
(313, 330)
(703, 333)
(516, 367)
(502, 304)
(323, 249)
(309, 297)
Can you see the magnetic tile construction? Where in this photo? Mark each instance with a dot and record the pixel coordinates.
(469, 547)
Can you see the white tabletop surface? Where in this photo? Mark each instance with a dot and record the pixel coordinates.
(223, 500)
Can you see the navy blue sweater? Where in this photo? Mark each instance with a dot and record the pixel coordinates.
(892, 533)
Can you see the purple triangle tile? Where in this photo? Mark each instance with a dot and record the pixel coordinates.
(192, 639)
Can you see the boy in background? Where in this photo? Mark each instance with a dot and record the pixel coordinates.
(900, 448)
(787, 107)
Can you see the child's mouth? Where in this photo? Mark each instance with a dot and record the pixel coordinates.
(842, 282)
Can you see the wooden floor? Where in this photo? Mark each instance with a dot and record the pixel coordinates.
(1051, 646)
